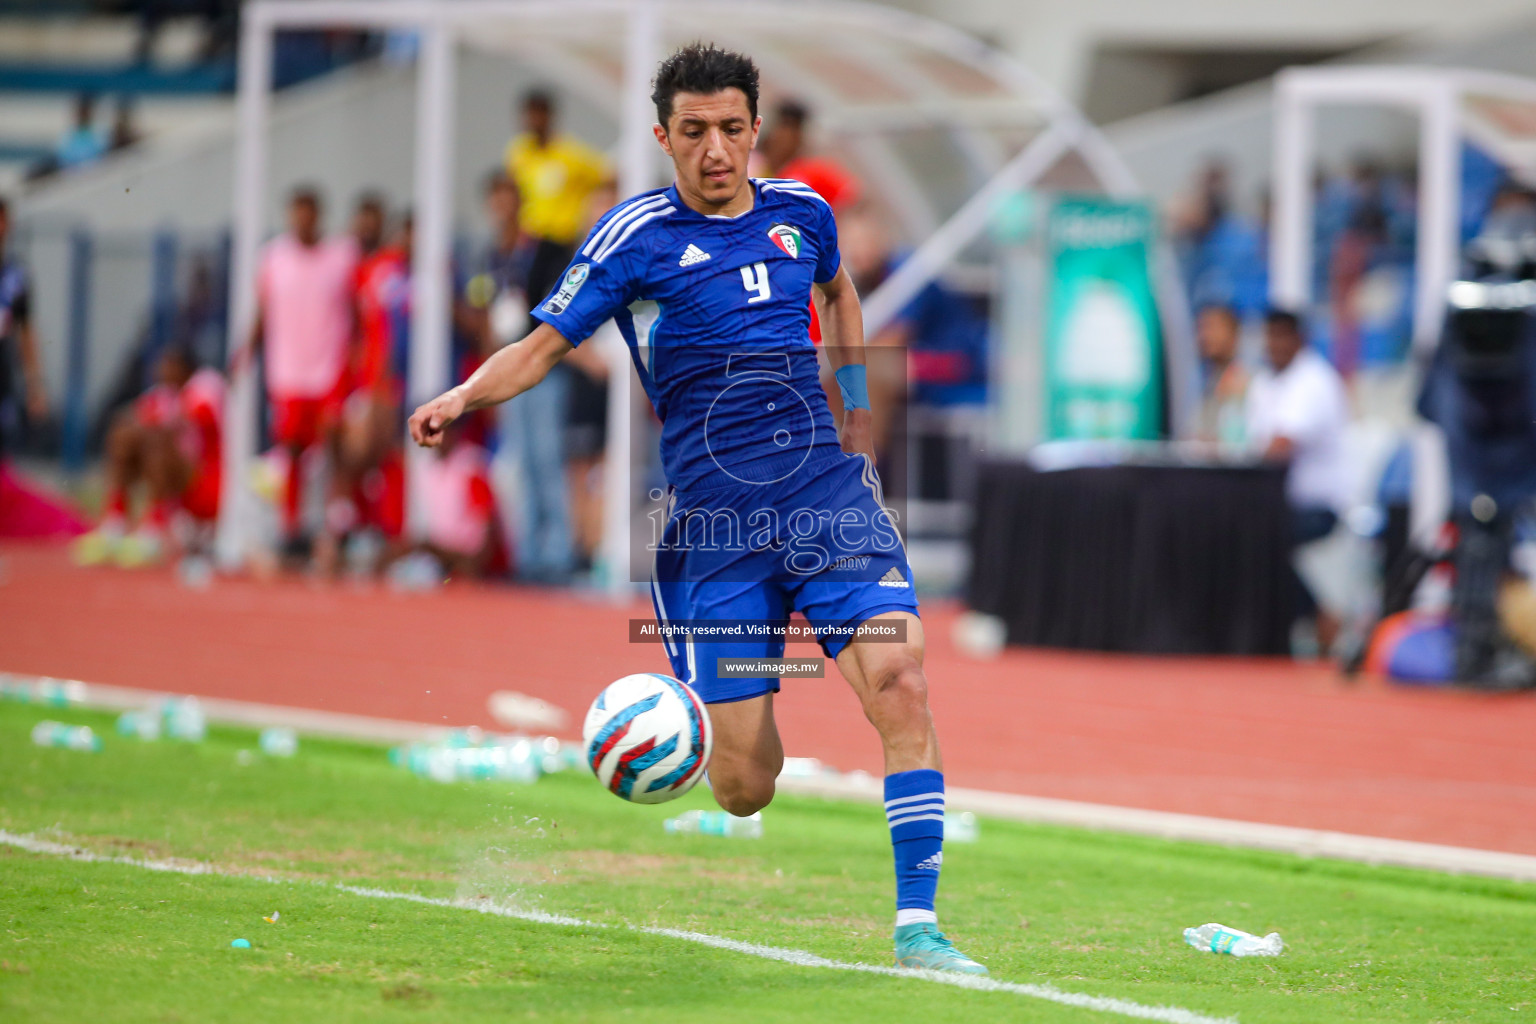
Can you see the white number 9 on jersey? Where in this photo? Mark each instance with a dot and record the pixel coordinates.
(755, 280)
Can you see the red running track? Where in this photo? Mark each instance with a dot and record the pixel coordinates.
(1256, 740)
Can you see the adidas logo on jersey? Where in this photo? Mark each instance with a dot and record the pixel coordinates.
(932, 863)
(691, 255)
(894, 578)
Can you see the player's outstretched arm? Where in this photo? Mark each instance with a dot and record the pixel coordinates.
(842, 337)
(507, 374)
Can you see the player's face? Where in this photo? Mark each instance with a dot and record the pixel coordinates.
(709, 138)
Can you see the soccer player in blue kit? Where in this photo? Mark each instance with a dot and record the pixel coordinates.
(772, 507)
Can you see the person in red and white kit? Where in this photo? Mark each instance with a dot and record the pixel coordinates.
(169, 441)
(304, 323)
(461, 507)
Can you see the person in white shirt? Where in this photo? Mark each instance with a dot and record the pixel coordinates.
(1297, 411)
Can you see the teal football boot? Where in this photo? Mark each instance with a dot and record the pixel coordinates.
(923, 947)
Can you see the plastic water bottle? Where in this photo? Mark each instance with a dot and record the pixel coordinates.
(715, 823)
(144, 725)
(801, 768)
(515, 761)
(58, 693)
(184, 719)
(552, 755)
(960, 827)
(1218, 938)
(195, 572)
(416, 572)
(364, 550)
(278, 742)
(70, 737)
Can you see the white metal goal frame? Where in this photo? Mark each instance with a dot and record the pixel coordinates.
(1452, 104)
(1498, 111)
(871, 71)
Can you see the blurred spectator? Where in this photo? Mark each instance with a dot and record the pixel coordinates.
(304, 322)
(532, 427)
(461, 508)
(369, 489)
(1364, 224)
(586, 440)
(780, 141)
(168, 441)
(555, 177)
(124, 132)
(196, 325)
(937, 342)
(1219, 250)
(1223, 379)
(83, 144)
(1297, 412)
(586, 424)
(368, 223)
(781, 153)
(1367, 259)
(18, 346)
(496, 291)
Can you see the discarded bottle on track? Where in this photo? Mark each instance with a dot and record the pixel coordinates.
(58, 693)
(960, 827)
(1218, 938)
(195, 572)
(184, 719)
(144, 725)
(278, 742)
(71, 737)
(511, 761)
(716, 823)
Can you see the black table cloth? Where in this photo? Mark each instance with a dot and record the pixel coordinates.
(1150, 558)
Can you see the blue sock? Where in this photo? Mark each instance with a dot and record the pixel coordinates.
(914, 807)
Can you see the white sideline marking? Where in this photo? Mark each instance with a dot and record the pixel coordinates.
(797, 957)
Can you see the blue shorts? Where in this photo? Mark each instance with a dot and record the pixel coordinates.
(820, 543)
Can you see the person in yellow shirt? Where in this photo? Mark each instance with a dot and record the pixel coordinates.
(556, 176)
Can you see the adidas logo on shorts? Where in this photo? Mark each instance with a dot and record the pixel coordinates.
(932, 863)
(894, 578)
(691, 255)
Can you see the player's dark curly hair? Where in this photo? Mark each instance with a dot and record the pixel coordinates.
(703, 68)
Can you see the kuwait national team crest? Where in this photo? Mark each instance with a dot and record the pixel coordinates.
(786, 238)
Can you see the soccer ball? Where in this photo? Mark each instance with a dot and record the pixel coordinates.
(648, 738)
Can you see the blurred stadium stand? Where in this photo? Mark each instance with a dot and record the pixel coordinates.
(112, 246)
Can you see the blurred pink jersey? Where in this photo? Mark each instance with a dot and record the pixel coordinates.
(459, 498)
(306, 299)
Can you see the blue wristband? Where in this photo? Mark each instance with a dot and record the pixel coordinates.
(853, 383)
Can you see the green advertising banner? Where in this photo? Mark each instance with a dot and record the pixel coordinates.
(1103, 349)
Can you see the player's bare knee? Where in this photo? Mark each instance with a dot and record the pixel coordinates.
(901, 683)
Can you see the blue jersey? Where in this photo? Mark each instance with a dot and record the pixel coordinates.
(715, 311)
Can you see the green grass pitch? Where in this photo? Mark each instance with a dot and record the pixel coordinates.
(1082, 911)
